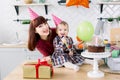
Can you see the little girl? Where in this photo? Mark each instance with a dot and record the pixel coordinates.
(64, 50)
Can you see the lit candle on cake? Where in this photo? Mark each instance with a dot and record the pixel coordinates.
(96, 41)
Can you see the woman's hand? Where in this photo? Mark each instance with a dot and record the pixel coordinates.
(48, 58)
(79, 45)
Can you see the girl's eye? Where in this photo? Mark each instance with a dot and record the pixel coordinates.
(60, 30)
(65, 29)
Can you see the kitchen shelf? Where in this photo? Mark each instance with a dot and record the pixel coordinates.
(34, 4)
(107, 3)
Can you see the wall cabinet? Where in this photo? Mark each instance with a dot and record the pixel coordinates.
(11, 57)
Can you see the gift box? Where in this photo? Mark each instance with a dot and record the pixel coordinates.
(37, 70)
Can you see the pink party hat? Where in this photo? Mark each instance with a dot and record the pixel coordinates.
(56, 20)
(33, 15)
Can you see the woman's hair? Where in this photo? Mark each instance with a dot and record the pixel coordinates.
(33, 36)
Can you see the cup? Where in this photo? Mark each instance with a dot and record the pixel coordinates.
(115, 53)
(107, 47)
(28, 1)
(41, 1)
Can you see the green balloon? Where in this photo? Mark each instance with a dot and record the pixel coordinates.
(85, 31)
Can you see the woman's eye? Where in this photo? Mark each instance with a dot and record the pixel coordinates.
(45, 23)
(39, 26)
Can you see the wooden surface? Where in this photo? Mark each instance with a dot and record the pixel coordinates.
(64, 74)
(13, 46)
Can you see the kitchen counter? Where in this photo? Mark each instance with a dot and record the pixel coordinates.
(13, 45)
(12, 55)
(63, 74)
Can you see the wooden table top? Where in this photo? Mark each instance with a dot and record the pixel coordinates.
(13, 46)
(63, 74)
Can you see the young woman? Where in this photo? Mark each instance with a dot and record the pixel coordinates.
(41, 36)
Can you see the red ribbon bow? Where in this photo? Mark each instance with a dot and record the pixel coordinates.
(43, 63)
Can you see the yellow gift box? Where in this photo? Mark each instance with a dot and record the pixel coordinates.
(37, 70)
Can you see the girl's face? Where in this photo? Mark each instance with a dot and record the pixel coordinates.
(62, 30)
(42, 30)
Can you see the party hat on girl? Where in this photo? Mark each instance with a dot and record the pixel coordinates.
(56, 20)
(33, 15)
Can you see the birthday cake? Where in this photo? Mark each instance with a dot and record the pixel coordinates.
(93, 48)
(96, 45)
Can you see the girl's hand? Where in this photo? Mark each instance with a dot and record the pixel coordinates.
(71, 53)
(63, 39)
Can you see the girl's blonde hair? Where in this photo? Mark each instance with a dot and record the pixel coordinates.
(63, 23)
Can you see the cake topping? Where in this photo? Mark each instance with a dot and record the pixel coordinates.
(96, 41)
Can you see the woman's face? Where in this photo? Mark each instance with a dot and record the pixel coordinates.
(62, 30)
(42, 30)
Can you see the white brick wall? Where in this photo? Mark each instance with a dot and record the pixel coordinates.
(72, 15)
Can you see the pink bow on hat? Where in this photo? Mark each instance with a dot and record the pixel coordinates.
(33, 15)
(56, 20)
